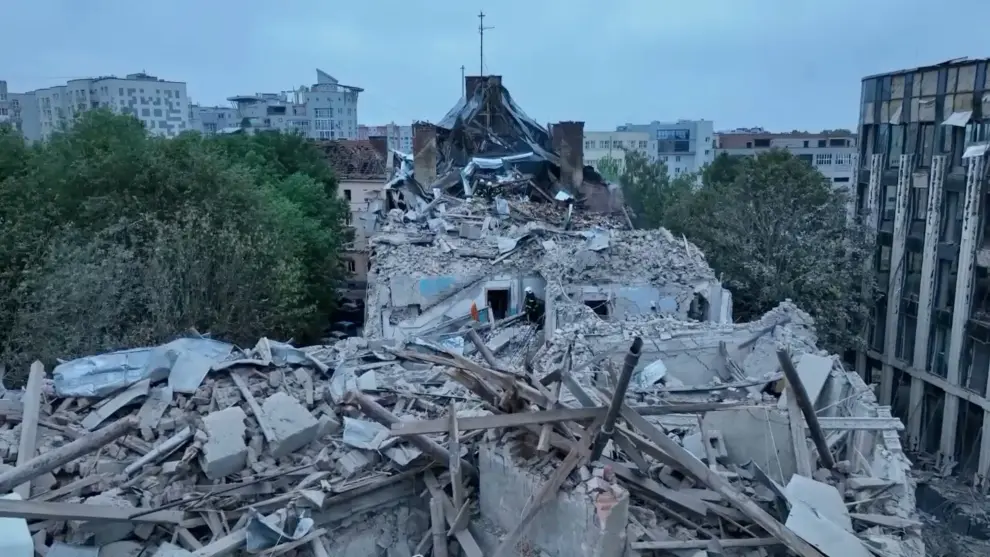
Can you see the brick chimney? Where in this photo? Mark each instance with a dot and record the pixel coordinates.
(380, 144)
(425, 153)
(568, 142)
(471, 82)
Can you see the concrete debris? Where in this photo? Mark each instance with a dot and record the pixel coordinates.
(534, 380)
(701, 449)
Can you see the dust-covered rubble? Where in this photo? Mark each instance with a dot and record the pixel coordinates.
(613, 438)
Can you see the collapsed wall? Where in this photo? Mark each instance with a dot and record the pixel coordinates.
(430, 271)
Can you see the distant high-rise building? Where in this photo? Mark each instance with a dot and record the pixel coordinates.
(684, 145)
(325, 110)
(161, 105)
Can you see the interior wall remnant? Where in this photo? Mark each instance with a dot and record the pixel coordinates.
(568, 140)
(425, 153)
(756, 434)
(456, 296)
(699, 309)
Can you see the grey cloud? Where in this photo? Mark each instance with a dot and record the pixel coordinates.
(781, 64)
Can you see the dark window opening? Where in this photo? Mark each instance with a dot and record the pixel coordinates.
(600, 307)
(806, 144)
(821, 142)
(347, 195)
(498, 301)
(841, 179)
(761, 142)
(699, 308)
(837, 142)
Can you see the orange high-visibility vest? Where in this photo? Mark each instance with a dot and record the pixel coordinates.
(474, 312)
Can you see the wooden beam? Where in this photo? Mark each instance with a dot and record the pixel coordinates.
(437, 528)
(242, 385)
(34, 510)
(673, 545)
(454, 466)
(720, 485)
(375, 411)
(807, 406)
(31, 401)
(65, 454)
(403, 428)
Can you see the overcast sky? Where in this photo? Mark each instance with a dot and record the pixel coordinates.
(780, 64)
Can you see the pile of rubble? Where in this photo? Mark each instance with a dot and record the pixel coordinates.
(615, 439)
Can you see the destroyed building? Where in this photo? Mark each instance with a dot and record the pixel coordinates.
(492, 206)
(633, 418)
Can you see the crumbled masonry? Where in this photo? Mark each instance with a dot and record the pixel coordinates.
(633, 417)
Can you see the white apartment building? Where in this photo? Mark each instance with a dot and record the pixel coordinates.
(210, 120)
(326, 110)
(5, 112)
(398, 138)
(599, 146)
(832, 153)
(161, 105)
(684, 146)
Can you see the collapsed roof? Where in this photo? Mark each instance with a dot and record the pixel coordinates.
(354, 159)
(487, 146)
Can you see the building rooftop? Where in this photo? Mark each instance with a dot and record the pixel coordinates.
(963, 61)
(357, 159)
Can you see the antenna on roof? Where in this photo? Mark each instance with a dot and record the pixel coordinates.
(481, 34)
(463, 86)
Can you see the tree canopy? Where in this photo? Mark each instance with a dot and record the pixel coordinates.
(112, 238)
(772, 227)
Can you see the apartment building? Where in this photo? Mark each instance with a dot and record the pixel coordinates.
(161, 105)
(922, 186)
(832, 153)
(211, 120)
(399, 138)
(612, 145)
(325, 110)
(684, 146)
(4, 104)
(361, 170)
(20, 110)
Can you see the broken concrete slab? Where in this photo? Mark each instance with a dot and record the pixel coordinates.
(224, 452)
(814, 371)
(294, 427)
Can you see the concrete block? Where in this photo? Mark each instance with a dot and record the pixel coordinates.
(105, 533)
(294, 426)
(224, 453)
(352, 463)
(328, 426)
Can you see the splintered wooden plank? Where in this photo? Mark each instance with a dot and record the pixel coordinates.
(34, 510)
(31, 401)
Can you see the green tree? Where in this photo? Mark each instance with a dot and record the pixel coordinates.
(654, 198)
(774, 228)
(111, 238)
(610, 169)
